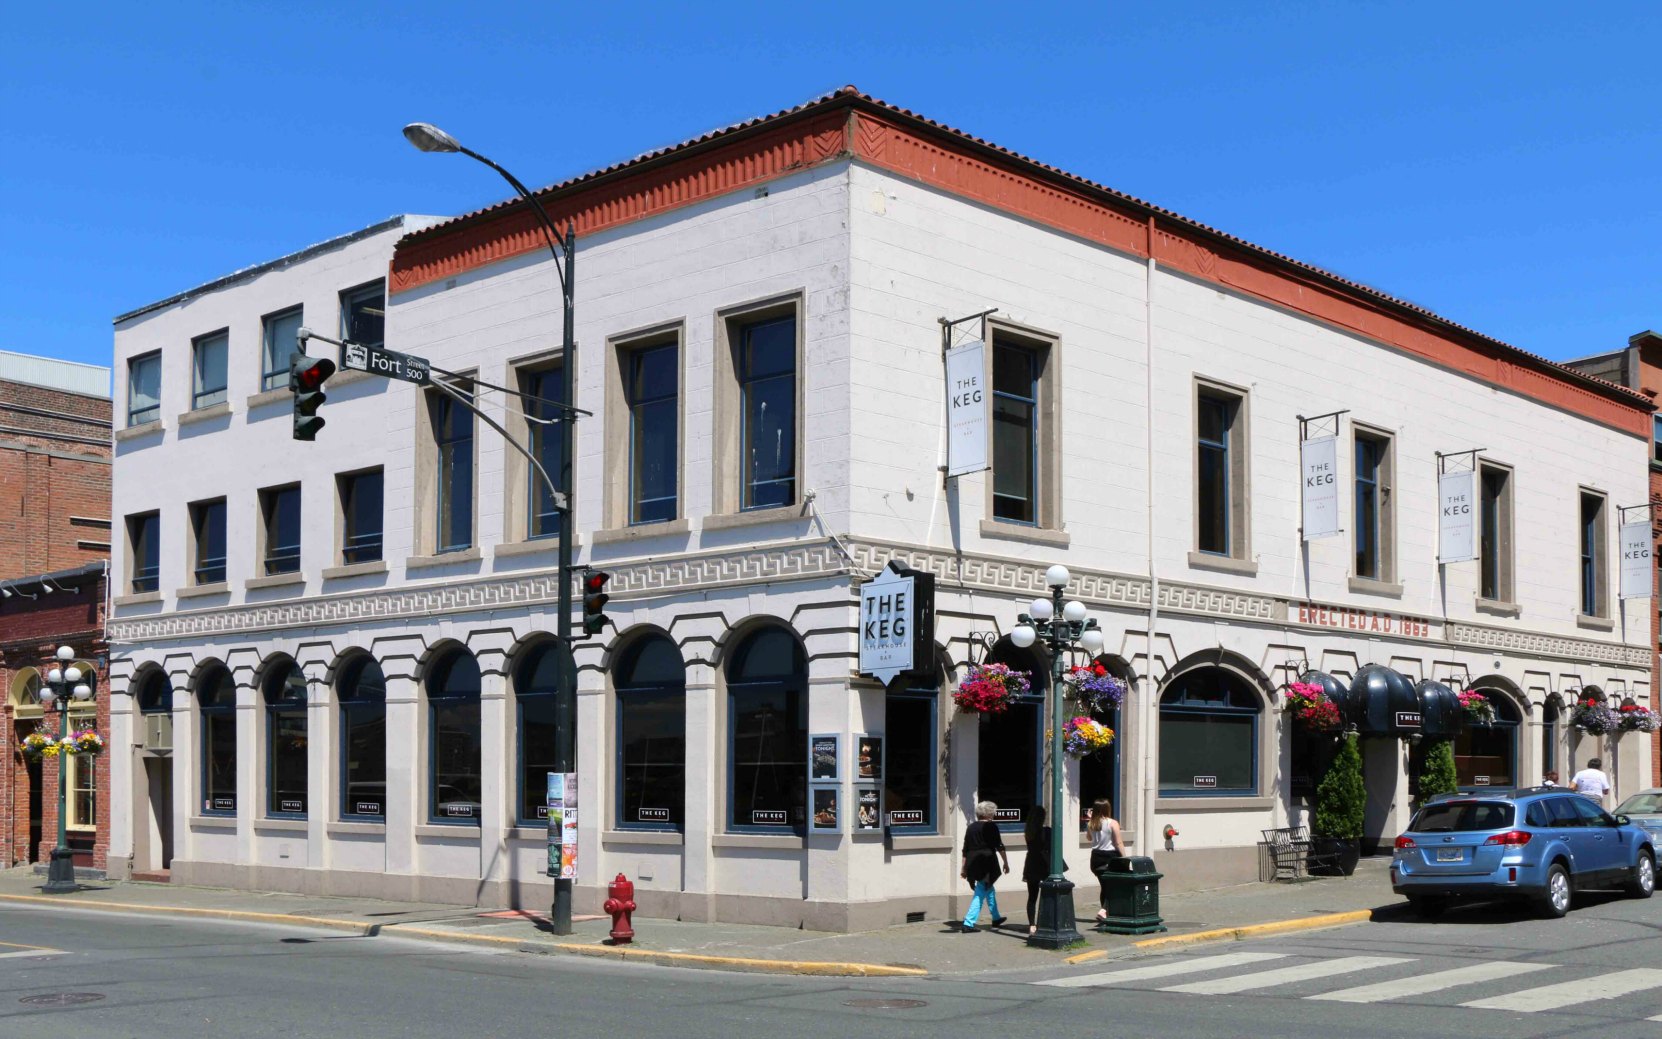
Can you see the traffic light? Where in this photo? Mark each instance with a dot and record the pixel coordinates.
(594, 600)
(306, 378)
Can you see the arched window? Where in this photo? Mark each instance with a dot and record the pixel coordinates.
(651, 683)
(154, 694)
(284, 691)
(767, 733)
(453, 732)
(362, 692)
(1209, 735)
(216, 698)
(25, 693)
(536, 681)
(1487, 755)
(1099, 773)
(911, 737)
(1011, 770)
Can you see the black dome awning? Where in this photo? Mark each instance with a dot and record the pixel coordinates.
(1441, 716)
(1384, 702)
(1335, 690)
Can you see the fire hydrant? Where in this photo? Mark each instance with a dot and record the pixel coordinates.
(620, 903)
(1169, 833)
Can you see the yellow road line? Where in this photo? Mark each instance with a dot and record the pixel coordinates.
(1303, 923)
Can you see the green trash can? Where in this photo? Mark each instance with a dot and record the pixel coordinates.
(1131, 892)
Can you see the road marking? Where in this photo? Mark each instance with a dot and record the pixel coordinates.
(1288, 975)
(1569, 993)
(1433, 982)
(1164, 970)
(20, 945)
(32, 950)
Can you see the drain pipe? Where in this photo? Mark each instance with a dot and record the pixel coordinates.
(1148, 707)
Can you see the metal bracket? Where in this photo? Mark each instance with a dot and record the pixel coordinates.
(1304, 424)
(1443, 457)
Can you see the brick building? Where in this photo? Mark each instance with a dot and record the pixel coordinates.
(54, 547)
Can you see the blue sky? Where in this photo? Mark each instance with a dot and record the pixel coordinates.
(1497, 163)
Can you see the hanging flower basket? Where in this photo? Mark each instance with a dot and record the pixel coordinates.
(38, 745)
(1593, 717)
(990, 688)
(1096, 690)
(1083, 736)
(1633, 718)
(86, 741)
(1312, 708)
(1477, 706)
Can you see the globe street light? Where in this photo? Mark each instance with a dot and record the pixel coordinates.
(63, 684)
(1061, 626)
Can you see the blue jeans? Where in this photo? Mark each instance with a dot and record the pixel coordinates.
(984, 893)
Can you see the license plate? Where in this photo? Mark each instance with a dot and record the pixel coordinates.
(1450, 855)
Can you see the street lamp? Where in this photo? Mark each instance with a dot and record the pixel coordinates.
(429, 138)
(1060, 626)
(63, 683)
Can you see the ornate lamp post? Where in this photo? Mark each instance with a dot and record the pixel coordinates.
(1059, 626)
(63, 683)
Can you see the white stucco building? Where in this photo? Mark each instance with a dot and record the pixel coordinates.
(357, 690)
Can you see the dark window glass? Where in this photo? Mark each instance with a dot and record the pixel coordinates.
(362, 692)
(1099, 774)
(282, 530)
(1549, 736)
(767, 388)
(144, 389)
(285, 749)
(1487, 755)
(1011, 770)
(209, 520)
(208, 370)
(1591, 814)
(654, 413)
(1209, 735)
(1656, 439)
(1490, 533)
(361, 517)
(363, 317)
(1216, 416)
(282, 337)
(651, 684)
(910, 772)
(1562, 810)
(1369, 454)
(217, 701)
(144, 532)
(453, 727)
(546, 391)
(1464, 817)
(1591, 511)
(155, 694)
(536, 684)
(453, 434)
(767, 680)
(1015, 433)
(1536, 814)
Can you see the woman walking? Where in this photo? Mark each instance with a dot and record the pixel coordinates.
(983, 848)
(1105, 844)
(1036, 866)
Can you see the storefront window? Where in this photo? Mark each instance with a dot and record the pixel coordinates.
(536, 685)
(217, 697)
(1099, 774)
(1209, 735)
(83, 783)
(1010, 773)
(1549, 737)
(910, 726)
(362, 692)
(1487, 755)
(453, 792)
(767, 683)
(651, 683)
(285, 747)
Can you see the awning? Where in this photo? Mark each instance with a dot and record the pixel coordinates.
(1441, 716)
(1383, 702)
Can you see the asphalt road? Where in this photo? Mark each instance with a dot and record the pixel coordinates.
(1479, 972)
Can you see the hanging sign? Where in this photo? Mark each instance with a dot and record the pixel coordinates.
(1636, 559)
(967, 406)
(1456, 517)
(1319, 459)
(897, 623)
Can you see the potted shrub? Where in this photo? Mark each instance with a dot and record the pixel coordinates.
(1437, 775)
(1341, 799)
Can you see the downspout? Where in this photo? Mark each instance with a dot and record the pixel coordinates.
(1147, 706)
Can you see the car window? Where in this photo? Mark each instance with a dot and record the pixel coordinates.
(1536, 814)
(1641, 804)
(1591, 814)
(1563, 811)
(1463, 816)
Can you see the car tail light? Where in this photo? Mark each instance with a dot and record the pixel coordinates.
(1510, 839)
(1404, 843)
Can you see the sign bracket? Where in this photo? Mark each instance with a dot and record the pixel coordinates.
(1304, 423)
(948, 324)
(1444, 456)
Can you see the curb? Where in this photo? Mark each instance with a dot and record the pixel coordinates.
(212, 914)
(1303, 923)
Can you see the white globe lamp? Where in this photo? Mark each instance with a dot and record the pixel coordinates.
(1058, 576)
(1023, 636)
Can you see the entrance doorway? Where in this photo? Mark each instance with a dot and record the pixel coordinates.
(36, 815)
(158, 774)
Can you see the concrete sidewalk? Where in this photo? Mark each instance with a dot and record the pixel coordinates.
(934, 947)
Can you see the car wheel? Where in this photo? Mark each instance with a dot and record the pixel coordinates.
(1555, 901)
(1644, 876)
(1427, 907)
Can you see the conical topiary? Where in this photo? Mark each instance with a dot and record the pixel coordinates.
(1437, 776)
(1341, 797)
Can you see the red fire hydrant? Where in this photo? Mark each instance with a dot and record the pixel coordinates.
(620, 903)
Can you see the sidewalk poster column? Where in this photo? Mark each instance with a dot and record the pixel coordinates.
(562, 825)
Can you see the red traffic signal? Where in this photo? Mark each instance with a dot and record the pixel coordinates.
(313, 376)
(306, 378)
(594, 600)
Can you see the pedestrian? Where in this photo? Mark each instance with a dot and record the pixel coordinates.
(1551, 778)
(1591, 781)
(1036, 866)
(1105, 844)
(983, 848)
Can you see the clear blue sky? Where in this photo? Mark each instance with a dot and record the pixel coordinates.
(1496, 162)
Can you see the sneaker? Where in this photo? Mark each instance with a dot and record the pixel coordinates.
(998, 921)
(967, 929)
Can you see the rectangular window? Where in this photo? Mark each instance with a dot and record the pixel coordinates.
(83, 784)
(453, 436)
(654, 420)
(545, 421)
(1593, 573)
(280, 509)
(1220, 473)
(361, 516)
(363, 314)
(1372, 514)
(910, 773)
(1011, 773)
(207, 523)
(768, 740)
(281, 338)
(144, 551)
(652, 756)
(1015, 432)
(208, 370)
(1495, 534)
(144, 389)
(766, 371)
(1656, 439)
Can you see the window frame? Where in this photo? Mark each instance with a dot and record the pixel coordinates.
(1593, 535)
(433, 702)
(636, 405)
(1502, 556)
(1029, 400)
(205, 712)
(274, 362)
(200, 512)
(221, 338)
(143, 579)
(358, 293)
(791, 827)
(620, 693)
(728, 402)
(150, 413)
(1383, 483)
(352, 671)
(619, 512)
(931, 695)
(271, 499)
(541, 440)
(1237, 505)
(521, 674)
(273, 711)
(82, 767)
(431, 494)
(1044, 349)
(1508, 723)
(1260, 725)
(346, 487)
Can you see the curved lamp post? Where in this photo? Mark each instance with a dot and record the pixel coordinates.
(429, 138)
(63, 684)
(1059, 626)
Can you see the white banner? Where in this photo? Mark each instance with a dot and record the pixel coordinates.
(1457, 517)
(1636, 560)
(1320, 462)
(967, 405)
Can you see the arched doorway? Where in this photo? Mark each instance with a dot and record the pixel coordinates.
(1010, 772)
(24, 697)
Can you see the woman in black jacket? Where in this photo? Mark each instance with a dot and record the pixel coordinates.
(1036, 866)
(983, 848)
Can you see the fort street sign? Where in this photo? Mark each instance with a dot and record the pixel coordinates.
(380, 361)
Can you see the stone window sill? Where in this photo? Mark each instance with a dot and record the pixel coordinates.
(1005, 531)
(757, 841)
(335, 573)
(274, 581)
(536, 547)
(1583, 620)
(1498, 608)
(1371, 586)
(667, 838)
(460, 831)
(1213, 804)
(280, 825)
(356, 829)
(143, 429)
(137, 599)
(199, 590)
(756, 517)
(1223, 564)
(212, 411)
(213, 822)
(921, 842)
(466, 555)
(668, 528)
(261, 399)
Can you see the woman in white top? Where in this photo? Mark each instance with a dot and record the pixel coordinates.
(1105, 843)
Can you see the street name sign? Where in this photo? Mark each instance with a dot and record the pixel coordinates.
(377, 360)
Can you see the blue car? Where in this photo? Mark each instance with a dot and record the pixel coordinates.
(1540, 845)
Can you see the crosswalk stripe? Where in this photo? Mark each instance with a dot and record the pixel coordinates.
(1287, 975)
(1437, 981)
(1164, 970)
(1569, 993)
(32, 952)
